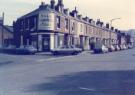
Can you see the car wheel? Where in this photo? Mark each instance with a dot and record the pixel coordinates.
(74, 53)
(55, 53)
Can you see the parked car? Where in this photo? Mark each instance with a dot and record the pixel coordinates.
(123, 47)
(1, 49)
(129, 46)
(10, 49)
(66, 50)
(117, 48)
(104, 49)
(111, 49)
(99, 48)
(28, 49)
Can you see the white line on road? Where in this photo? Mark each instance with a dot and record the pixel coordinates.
(87, 89)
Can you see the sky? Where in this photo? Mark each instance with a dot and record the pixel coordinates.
(105, 10)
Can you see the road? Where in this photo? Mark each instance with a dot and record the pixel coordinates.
(84, 74)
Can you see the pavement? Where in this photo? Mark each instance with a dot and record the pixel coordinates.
(83, 74)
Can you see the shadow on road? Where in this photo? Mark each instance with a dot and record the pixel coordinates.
(6, 63)
(90, 83)
(133, 54)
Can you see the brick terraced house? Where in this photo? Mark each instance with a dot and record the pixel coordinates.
(52, 25)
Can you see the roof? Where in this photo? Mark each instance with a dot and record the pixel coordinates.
(29, 14)
(48, 7)
(8, 28)
(36, 11)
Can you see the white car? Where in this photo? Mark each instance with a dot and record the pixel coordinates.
(104, 49)
(66, 50)
(125, 47)
(112, 48)
(121, 47)
(117, 47)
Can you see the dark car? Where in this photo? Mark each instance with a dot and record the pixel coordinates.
(117, 48)
(66, 50)
(129, 46)
(28, 49)
(1, 48)
(100, 48)
(9, 49)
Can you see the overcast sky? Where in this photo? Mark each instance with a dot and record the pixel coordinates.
(96, 9)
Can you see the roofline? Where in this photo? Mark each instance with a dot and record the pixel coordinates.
(6, 28)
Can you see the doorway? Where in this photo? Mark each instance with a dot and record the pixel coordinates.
(46, 43)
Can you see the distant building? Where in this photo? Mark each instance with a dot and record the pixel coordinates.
(51, 26)
(6, 34)
(131, 34)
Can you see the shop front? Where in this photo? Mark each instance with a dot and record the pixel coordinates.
(41, 42)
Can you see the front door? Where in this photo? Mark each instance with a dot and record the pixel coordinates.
(46, 44)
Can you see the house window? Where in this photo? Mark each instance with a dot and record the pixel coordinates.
(22, 23)
(86, 29)
(27, 24)
(33, 24)
(66, 23)
(35, 21)
(58, 21)
(73, 27)
(81, 28)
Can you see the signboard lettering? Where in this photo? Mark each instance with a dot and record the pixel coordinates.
(46, 21)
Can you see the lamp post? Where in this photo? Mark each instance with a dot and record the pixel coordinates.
(2, 29)
(111, 21)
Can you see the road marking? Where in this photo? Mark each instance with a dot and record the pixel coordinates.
(51, 59)
(40, 60)
(87, 89)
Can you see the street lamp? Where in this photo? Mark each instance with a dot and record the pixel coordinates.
(2, 29)
(111, 21)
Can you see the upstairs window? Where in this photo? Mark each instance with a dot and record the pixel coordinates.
(58, 21)
(81, 28)
(86, 29)
(66, 23)
(33, 24)
(27, 23)
(73, 27)
(22, 25)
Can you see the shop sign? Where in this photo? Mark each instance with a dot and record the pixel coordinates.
(46, 21)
